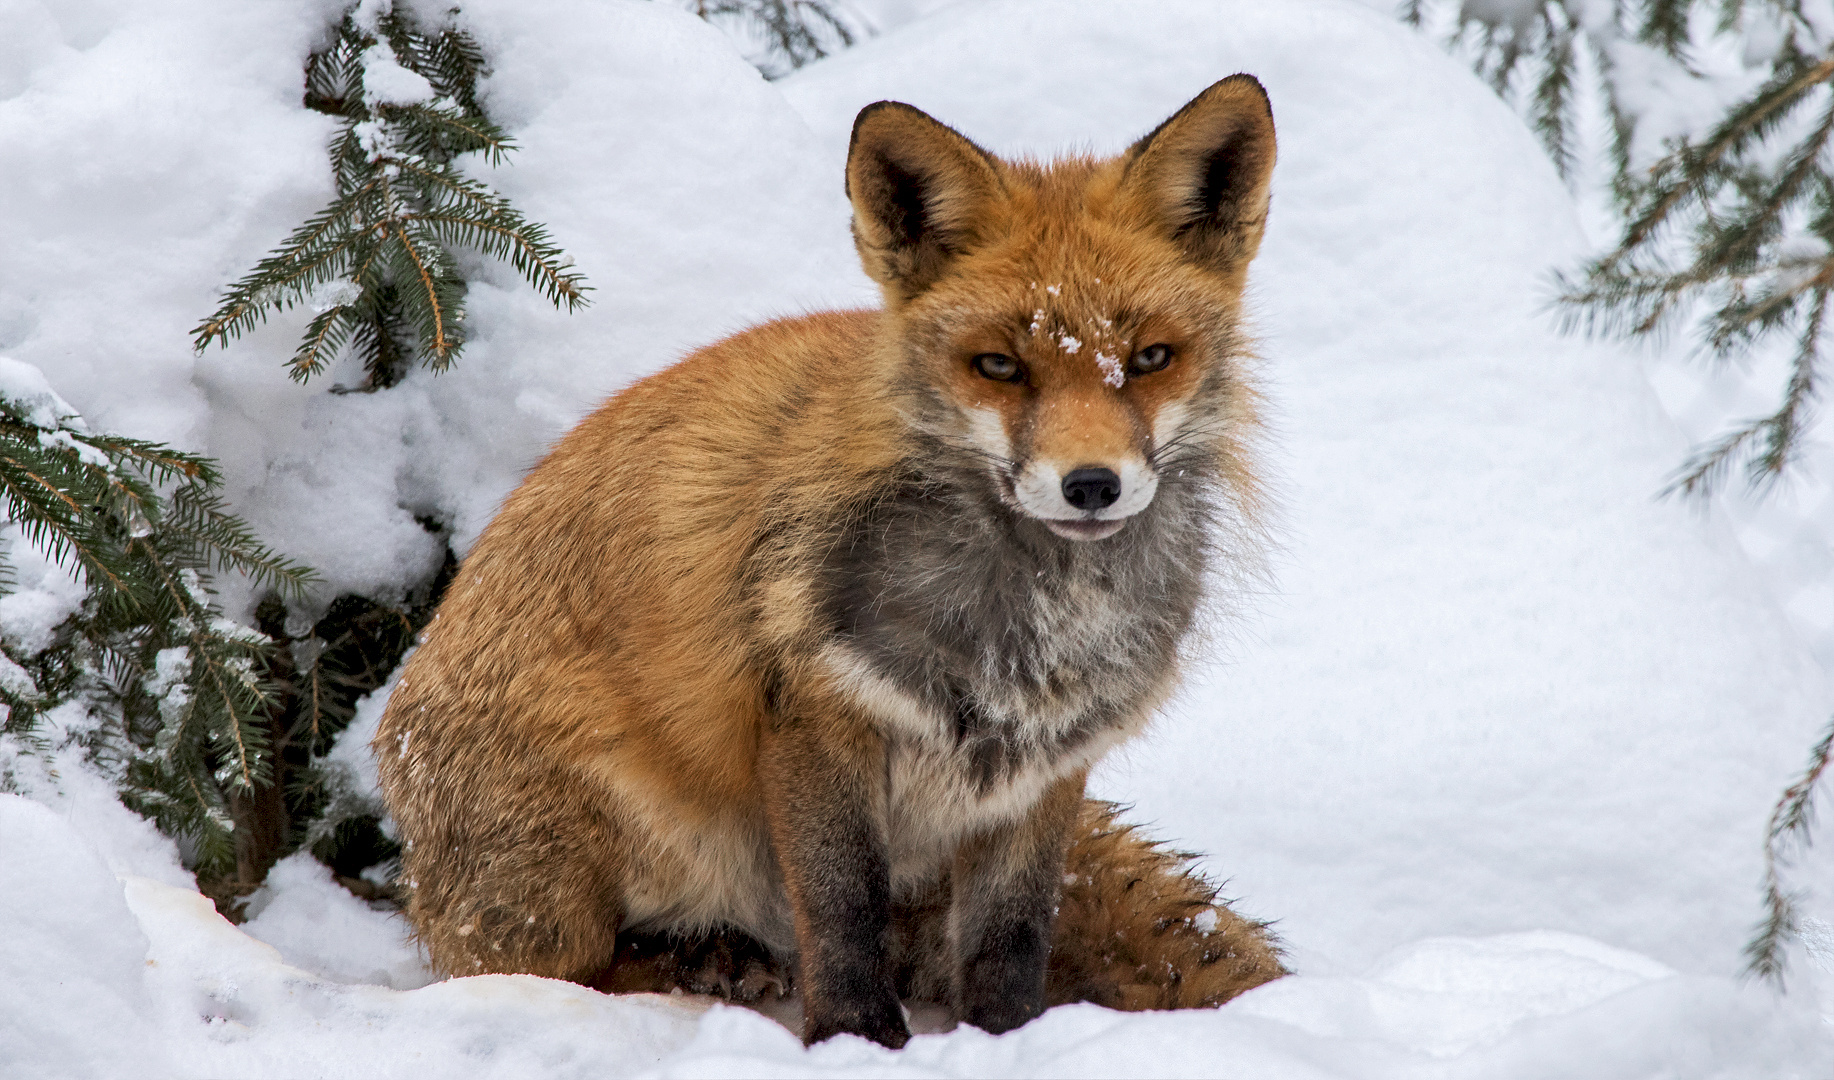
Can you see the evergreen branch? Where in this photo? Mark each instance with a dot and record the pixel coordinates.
(159, 462)
(1697, 165)
(1790, 823)
(1702, 472)
(453, 64)
(1553, 97)
(1779, 431)
(444, 186)
(1736, 242)
(278, 281)
(326, 336)
(1666, 27)
(451, 131)
(393, 166)
(431, 301)
(792, 29)
(526, 247)
(56, 523)
(1739, 321)
(1785, 425)
(210, 670)
(197, 518)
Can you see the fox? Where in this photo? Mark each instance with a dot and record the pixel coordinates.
(784, 670)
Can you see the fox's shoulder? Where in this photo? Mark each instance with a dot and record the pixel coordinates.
(775, 357)
(792, 408)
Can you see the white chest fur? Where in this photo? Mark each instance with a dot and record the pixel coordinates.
(940, 790)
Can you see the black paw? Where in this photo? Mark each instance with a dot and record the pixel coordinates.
(999, 1017)
(880, 1019)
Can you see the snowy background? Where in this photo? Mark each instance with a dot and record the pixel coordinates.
(1496, 752)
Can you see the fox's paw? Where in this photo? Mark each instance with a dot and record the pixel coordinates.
(726, 964)
(733, 966)
(879, 1018)
(1000, 1017)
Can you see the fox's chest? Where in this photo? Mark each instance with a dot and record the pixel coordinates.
(966, 620)
(974, 737)
(993, 666)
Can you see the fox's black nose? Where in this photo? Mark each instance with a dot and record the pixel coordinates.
(1091, 489)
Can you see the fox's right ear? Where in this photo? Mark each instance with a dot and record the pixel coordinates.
(921, 193)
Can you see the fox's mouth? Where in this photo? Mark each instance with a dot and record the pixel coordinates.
(1084, 528)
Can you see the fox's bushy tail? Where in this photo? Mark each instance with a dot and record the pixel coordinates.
(1139, 928)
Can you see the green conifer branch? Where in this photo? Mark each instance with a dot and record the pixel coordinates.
(1552, 102)
(140, 522)
(436, 133)
(794, 32)
(1791, 821)
(393, 162)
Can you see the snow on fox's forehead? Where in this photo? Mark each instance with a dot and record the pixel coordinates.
(1093, 335)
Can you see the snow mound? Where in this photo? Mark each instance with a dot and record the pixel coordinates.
(75, 957)
(150, 980)
(319, 926)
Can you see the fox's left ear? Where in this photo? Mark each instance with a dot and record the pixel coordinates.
(1202, 177)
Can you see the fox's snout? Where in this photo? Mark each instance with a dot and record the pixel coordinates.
(1086, 501)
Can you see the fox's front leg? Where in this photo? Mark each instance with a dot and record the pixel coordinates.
(824, 788)
(1006, 883)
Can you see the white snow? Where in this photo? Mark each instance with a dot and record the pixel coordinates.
(386, 82)
(45, 594)
(26, 387)
(1496, 755)
(318, 924)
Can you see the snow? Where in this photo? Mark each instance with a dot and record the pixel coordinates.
(310, 918)
(72, 928)
(45, 595)
(386, 82)
(1497, 754)
(26, 387)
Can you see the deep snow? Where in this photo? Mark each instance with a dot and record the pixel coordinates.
(1496, 752)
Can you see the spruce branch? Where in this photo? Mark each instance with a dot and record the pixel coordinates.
(378, 260)
(788, 33)
(1730, 230)
(1791, 822)
(1718, 231)
(141, 524)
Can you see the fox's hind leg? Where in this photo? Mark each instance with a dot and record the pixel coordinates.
(1138, 929)
(511, 885)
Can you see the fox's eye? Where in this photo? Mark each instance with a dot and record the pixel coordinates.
(1152, 358)
(998, 366)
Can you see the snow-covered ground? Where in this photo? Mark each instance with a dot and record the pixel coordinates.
(1496, 752)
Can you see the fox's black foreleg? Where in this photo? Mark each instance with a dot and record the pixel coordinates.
(1006, 882)
(824, 781)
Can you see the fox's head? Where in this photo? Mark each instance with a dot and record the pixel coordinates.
(1072, 326)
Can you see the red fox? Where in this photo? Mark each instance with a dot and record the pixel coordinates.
(787, 665)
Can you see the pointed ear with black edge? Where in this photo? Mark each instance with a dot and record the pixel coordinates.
(922, 194)
(1202, 177)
